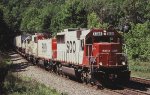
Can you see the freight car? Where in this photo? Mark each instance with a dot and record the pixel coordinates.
(90, 55)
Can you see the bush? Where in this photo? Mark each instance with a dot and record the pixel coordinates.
(4, 67)
(138, 42)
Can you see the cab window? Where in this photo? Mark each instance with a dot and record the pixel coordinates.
(60, 38)
(103, 39)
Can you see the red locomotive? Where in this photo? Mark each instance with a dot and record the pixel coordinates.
(90, 55)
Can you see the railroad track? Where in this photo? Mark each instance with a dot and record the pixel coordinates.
(121, 90)
(129, 91)
(141, 80)
(136, 86)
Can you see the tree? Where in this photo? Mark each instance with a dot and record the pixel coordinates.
(138, 41)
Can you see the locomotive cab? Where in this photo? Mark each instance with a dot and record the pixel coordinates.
(108, 51)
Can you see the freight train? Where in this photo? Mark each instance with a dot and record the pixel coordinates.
(93, 56)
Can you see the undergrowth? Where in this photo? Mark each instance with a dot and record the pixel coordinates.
(15, 85)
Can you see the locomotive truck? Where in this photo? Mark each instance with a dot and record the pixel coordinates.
(90, 55)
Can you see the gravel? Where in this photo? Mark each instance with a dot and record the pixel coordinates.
(61, 84)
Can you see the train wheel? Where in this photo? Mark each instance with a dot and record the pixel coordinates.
(50, 68)
(54, 68)
(46, 65)
(58, 69)
(87, 78)
(82, 78)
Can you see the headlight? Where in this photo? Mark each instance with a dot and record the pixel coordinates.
(100, 63)
(123, 63)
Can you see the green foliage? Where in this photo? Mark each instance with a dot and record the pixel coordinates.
(135, 10)
(4, 61)
(147, 10)
(108, 11)
(39, 16)
(56, 15)
(70, 14)
(93, 20)
(31, 21)
(76, 14)
(138, 41)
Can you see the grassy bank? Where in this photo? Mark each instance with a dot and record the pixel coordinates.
(15, 85)
(140, 69)
(12, 84)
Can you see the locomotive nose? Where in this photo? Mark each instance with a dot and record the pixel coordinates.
(107, 54)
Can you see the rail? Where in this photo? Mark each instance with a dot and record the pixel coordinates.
(141, 80)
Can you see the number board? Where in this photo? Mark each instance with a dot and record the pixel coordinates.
(103, 34)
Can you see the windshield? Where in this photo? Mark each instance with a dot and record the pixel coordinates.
(103, 39)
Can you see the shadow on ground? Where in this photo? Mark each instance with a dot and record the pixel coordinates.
(18, 64)
(138, 86)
